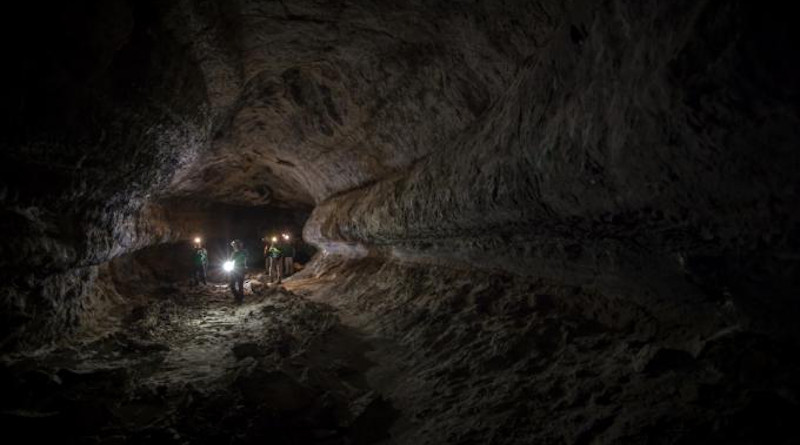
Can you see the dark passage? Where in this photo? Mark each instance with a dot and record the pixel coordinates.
(558, 222)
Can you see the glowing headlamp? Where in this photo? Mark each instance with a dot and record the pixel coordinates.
(274, 239)
(197, 240)
(228, 266)
(285, 236)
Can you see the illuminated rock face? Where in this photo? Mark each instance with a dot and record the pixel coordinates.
(630, 158)
(330, 97)
(250, 104)
(643, 150)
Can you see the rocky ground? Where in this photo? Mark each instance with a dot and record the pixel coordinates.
(376, 352)
(193, 367)
(490, 358)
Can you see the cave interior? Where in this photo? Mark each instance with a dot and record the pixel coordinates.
(557, 222)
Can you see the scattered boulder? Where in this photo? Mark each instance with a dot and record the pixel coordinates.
(371, 415)
(666, 359)
(275, 390)
(242, 350)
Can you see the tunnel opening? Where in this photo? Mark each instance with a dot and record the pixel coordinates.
(156, 343)
(188, 223)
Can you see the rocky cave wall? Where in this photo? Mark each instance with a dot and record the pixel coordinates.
(645, 150)
(579, 208)
(104, 105)
(611, 246)
(107, 103)
(50, 300)
(643, 144)
(115, 106)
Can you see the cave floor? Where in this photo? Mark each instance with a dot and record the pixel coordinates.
(194, 367)
(377, 353)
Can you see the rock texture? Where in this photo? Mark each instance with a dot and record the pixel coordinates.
(192, 368)
(498, 358)
(118, 105)
(334, 96)
(577, 219)
(647, 151)
(650, 134)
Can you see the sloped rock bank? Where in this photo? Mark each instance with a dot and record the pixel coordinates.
(497, 358)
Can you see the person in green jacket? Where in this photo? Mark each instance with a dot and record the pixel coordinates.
(200, 262)
(274, 261)
(239, 260)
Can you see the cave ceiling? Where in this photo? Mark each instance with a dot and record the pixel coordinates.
(309, 99)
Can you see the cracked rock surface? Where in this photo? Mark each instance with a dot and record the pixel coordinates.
(194, 368)
(575, 222)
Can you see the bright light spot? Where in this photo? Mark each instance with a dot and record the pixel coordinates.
(285, 236)
(228, 266)
(274, 239)
(197, 240)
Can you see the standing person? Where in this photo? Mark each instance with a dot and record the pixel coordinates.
(200, 261)
(267, 258)
(275, 261)
(238, 261)
(288, 255)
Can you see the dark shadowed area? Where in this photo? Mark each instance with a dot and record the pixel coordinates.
(541, 221)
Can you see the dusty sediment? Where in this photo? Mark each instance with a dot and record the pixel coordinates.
(491, 357)
(191, 366)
